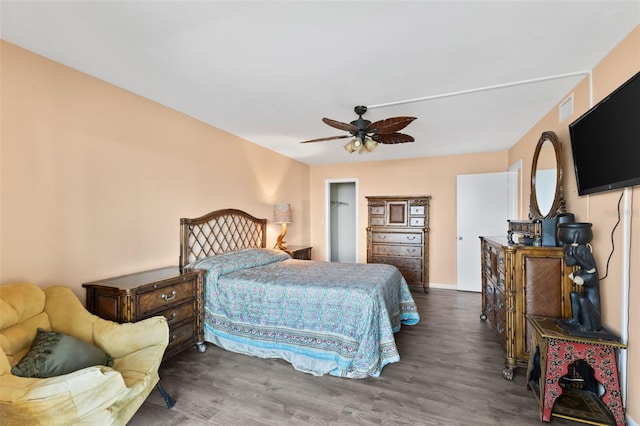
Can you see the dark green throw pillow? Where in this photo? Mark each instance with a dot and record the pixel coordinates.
(55, 354)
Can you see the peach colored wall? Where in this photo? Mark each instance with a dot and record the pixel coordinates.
(435, 176)
(601, 209)
(95, 179)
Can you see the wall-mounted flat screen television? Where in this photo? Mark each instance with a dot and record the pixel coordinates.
(606, 141)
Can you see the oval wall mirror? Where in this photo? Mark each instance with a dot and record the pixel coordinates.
(547, 192)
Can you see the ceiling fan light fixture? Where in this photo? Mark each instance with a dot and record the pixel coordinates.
(356, 144)
(369, 145)
(350, 146)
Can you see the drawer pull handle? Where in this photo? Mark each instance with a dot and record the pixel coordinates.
(382, 237)
(500, 329)
(167, 298)
(411, 250)
(174, 337)
(411, 238)
(172, 317)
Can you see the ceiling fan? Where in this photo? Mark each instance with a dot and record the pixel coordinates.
(367, 135)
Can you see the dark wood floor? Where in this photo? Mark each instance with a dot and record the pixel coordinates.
(450, 373)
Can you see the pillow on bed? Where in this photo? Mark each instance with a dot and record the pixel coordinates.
(55, 354)
(241, 259)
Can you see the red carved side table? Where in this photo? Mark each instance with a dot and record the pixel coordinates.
(558, 350)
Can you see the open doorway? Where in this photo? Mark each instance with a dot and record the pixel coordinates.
(341, 197)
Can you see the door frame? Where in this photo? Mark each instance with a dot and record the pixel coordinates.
(515, 191)
(327, 213)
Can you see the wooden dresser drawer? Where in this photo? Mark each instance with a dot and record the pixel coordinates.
(489, 304)
(410, 268)
(491, 293)
(177, 314)
(411, 275)
(493, 263)
(178, 336)
(397, 238)
(501, 327)
(500, 280)
(397, 250)
(399, 262)
(165, 296)
(499, 301)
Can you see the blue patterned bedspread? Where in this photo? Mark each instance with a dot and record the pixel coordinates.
(322, 317)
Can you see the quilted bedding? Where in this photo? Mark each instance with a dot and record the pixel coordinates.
(322, 317)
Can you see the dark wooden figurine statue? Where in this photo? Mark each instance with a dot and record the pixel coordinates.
(586, 319)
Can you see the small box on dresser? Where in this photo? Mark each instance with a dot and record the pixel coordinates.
(398, 234)
(176, 294)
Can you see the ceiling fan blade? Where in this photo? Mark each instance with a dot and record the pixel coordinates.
(392, 138)
(328, 138)
(390, 125)
(342, 126)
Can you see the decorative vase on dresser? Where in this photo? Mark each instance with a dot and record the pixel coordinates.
(398, 234)
(519, 280)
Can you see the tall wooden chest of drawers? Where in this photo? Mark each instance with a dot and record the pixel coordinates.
(519, 280)
(398, 234)
(175, 294)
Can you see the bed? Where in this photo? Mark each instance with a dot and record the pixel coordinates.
(322, 317)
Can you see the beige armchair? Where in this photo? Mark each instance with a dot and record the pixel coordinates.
(96, 395)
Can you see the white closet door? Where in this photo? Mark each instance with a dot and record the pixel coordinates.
(482, 210)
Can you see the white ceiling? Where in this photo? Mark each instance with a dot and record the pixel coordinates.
(269, 71)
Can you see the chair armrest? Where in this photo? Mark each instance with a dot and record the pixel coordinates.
(67, 315)
(122, 339)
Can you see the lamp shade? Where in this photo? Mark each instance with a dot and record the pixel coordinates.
(282, 213)
(369, 145)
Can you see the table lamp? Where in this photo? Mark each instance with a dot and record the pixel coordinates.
(282, 215)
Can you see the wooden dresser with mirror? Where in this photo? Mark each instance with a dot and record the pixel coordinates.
(520, 278)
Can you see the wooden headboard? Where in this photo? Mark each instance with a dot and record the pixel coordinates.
(218, 232)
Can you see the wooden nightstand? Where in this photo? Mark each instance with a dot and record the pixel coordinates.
(175, 294)
(301, 252)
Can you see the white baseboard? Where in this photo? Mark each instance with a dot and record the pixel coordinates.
(447, 287)
(443, 286)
